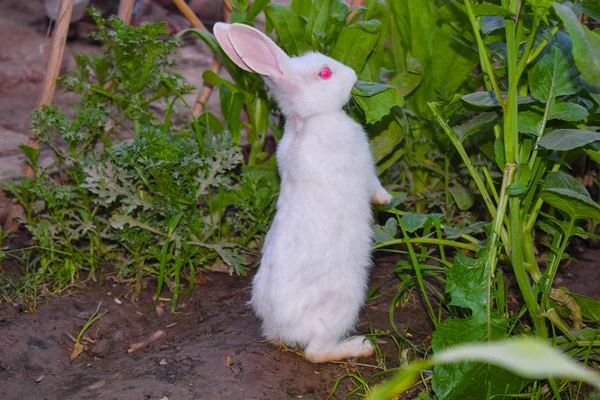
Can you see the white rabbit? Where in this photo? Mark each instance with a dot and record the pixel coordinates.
(313, 276)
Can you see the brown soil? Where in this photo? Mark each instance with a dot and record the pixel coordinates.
(211, 349)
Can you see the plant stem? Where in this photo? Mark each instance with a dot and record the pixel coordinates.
(484, 59)
(465, 157)
(509, 172)
(419, 274)
(436, 241)
(511, 148)
(550, 272)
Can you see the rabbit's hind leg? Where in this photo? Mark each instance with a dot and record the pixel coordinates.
(328, 323)
(355, 346)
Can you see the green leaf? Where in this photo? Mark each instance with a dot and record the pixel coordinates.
(489, 99)
(565, 193)
(491, 9)
(473, 125)
(530, 122)
(386, 140)
(290, 29)
(590, 308)
(32, 155)
(408, 80)
(255, 9)
(367, 89)
(355, 43)
(376, 99)
(423, 32)
(231, 107)
(411, 222)
(586, 45)
(462, 196)
(568, 139)
(301, 7)
(210, 122)
(554, 73)
(319, 17)
(567, 112)
(516, 189)
(529, 357)
(591, 8)
(387, 232)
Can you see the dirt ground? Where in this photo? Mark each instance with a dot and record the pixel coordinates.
(210, 349)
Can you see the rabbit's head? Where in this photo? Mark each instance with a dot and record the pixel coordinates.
(303, 86)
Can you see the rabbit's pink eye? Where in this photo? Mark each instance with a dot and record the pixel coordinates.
(325, 73)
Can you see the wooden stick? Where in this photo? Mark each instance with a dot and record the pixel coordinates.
(59, 39)
(355, 3)
(125, 10)
(189, 14)
(215, 66)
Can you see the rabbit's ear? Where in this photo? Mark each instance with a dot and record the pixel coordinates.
(221, 31)
(257, 52)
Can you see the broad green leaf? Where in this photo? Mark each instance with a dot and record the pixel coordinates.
(568, 139)
(590, 308)
(567, 112)
(490, 24)
(491, 9)
(591, 8)
(290, 29)
(386, 140)
(554, 73)
(565, 193)
(489, 99)
(462, 196)
(255, 9)
(528, 357)
(32, 156)
(231, 106)
(427, 36)
(413, 221)
(586, 45)
(368, 89)
(319, 17)
(355, 44)
(376, 99)
(473, 125)
(387, 232)
(210, 122)
(212, 78)
(530, 122)
(516, 189)
(301, 7)
(408, 80)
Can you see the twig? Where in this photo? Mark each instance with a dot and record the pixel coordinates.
(215, 65)
(354, 4)
(53, 67)
(136, 346)
(125, 10)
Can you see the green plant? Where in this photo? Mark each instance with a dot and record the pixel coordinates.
(147, 191)
(538, 113)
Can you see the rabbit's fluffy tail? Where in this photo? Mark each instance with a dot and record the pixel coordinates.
(356, 346)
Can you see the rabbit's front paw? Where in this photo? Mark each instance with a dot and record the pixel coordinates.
(381, 197)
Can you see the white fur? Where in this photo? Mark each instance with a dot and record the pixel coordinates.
(313, 276)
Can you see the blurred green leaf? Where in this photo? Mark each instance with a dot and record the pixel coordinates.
(586, 45)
